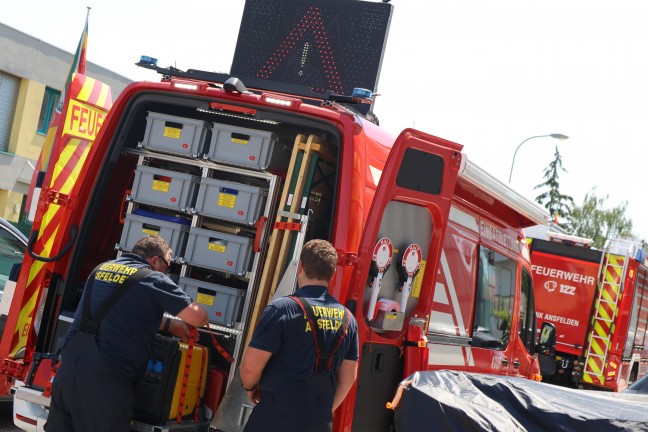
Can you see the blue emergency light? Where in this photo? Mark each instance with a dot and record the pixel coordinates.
(361, 93)
(148, 60)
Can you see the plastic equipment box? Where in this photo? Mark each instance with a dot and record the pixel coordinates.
(164, 188)
(222, 303)
(218, 251)
(250, 148)
(228, 200)
(136, 227)
(176, 135)
(157, 394)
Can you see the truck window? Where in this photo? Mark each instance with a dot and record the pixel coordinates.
(527, 328)
(494, 301)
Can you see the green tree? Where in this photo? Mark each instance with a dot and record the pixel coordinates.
(551, 198)
(592, 220)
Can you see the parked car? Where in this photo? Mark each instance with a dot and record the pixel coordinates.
(13, 244)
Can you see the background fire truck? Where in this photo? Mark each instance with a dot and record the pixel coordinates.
(237, 171)
(598, 301)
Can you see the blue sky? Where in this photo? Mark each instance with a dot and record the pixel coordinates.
(487, 75)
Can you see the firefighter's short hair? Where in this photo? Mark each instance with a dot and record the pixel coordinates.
(150, 246)
(318, 259)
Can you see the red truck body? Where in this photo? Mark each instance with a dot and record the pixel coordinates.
(485, 228)
(598, 302)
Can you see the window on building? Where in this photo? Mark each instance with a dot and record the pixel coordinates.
(50, 100)
(494, 302)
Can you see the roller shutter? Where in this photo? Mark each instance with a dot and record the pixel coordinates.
(8, 95)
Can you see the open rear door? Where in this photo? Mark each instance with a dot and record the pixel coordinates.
(393, 282)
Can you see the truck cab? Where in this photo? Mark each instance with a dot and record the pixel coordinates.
(595, 299)
(482, 318)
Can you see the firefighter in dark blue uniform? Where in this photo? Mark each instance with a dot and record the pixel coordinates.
(121, 309)
(302, 359)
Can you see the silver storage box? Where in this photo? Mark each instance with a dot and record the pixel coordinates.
(222, 303)
(164, 188)
(249, 148)
(229, 200)
(136, 227)
(218, 251)
(176, 135)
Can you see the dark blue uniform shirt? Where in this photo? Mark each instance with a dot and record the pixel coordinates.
(127, 331)
(285, 333)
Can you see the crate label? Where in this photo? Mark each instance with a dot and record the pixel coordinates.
(171, 132)
(240, 141)
(227, 197)
(205, 299)
(226, 200)
(161, 186)
(150, 231)
(216, 246)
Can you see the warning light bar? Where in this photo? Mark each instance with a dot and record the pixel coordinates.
(185, 86)
(281, 101)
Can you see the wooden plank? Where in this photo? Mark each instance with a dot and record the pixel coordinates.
(263, 292)
(284, 250)
(281, 240)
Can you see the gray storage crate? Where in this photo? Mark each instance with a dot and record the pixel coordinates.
(229, 200)
(163, 188)
(250, 148)
(176, 135)
(218, 251)
(222, 303)
(136, 227)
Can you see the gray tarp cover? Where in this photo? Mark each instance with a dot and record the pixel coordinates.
(458, 401)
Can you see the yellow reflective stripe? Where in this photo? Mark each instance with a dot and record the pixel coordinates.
(86, 90)
(23, 317)
(103, 95)
(64, 158)
(74, 175)
(48, 217)
(34, 270)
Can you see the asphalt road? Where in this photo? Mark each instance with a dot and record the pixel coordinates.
(6, 421)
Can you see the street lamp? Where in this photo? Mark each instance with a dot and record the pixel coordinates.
(553, 135)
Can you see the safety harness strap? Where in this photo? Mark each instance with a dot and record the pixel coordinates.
(90, 325)
(323, 354)
(185, 375)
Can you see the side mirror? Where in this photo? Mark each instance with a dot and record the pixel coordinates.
(547, 340)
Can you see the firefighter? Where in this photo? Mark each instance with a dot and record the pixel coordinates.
(109, 340)
(302, 359)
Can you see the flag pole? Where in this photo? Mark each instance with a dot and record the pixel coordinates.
(52, 138)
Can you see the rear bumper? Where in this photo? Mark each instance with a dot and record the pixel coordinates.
(30, 408)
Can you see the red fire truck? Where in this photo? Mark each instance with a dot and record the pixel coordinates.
(237, 178)
(598, 301)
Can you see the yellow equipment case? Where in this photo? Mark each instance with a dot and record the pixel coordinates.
(158, 393)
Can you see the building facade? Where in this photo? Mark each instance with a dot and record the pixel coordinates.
(32, 73)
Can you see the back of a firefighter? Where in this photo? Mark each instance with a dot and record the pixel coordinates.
(302, 359)
(121, 309)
